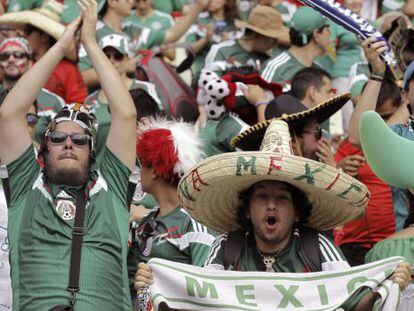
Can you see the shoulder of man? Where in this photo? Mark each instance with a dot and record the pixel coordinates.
(275, 67)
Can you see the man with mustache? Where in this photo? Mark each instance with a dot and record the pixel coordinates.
(42, 204)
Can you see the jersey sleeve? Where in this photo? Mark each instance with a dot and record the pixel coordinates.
(199, 240)
(215, 256)
(116, 175)
(22, 174)
(228, 128)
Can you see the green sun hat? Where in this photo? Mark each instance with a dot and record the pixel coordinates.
(305, 20)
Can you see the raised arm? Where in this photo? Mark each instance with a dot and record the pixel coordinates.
(369, 97)
(122, 132)
(14, 136)
(174, 33)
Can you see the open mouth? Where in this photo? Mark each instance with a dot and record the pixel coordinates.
(271, 222)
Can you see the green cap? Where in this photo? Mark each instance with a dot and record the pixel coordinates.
(116, 41)
(356, 88)
(305, 20)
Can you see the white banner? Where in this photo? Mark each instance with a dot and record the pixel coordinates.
(186, 287)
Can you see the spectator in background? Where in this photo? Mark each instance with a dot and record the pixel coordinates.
(42, 29)
(263, 30)
(309, 36)
(357, 237)
(16, 60)
(212, 27)
(115, 47)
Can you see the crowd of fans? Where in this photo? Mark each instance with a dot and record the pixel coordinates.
(71, 82)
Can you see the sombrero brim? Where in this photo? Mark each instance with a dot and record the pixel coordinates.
(210, 191)
(41, 21)
(251, 138)
(282, 34)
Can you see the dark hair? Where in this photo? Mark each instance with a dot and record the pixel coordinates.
(104, 9)
(410, 218)
(144, 103)
(4, 93)
(297, 38)
(305, 78)
(230, 11)
(389, 91)
(30, 28)
(300, 203)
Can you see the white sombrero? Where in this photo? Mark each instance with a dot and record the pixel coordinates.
(210, 190)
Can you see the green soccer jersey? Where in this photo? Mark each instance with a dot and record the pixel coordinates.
(40, 234)
(288, 260)
(348, 50)
(391, 5)
(231, 52)
(281, 69)
(175, 236)
(169, 6)
(23, 5)
(217, 135)
(100, 109)
(158, 20)
(143, 38)
(48, 104)
(196, 33)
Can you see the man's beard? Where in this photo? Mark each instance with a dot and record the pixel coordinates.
(12, 78)
(76, 176)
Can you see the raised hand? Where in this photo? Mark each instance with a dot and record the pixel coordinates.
(89, 12)
(372, 50)
(67, 38)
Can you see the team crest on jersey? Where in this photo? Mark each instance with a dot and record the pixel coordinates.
(66, 209)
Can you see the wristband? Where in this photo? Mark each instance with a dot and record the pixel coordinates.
(376, 78)
(261, 102)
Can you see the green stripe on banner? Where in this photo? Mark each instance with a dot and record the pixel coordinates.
(311, 278)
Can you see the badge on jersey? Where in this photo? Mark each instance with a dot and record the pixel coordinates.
(66, 209)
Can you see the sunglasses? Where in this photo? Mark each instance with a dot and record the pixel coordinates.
(316, 132)
(16, 54)
(79, 139)
(32, 119)
(118, 56)
(144, 236)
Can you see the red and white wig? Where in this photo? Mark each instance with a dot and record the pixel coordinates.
(171, 148)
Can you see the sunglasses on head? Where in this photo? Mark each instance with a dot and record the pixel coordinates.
(79, 139)
(316, 132)
(32, 119)
(16, 54)
(118, 56)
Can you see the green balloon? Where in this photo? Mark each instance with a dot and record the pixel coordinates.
(389, 155)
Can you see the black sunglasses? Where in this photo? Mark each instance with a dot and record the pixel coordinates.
(32, 119)
(16, 54)
(144, 236)
(79, 139)
(118, 56)
(316, 132)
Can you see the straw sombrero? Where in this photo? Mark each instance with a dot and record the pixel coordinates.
(46, 18)
(266, 21)
(209, 192)
(251, 138)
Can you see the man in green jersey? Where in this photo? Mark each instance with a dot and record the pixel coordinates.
(167, 150)
(309, 35)
(41, 202)
(263, 30)
(270, 196)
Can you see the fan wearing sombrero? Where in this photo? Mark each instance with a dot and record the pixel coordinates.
(304, 124)
(273, 209)
(43, 28)
(390, 157)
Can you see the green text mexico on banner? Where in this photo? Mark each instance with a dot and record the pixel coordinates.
(187, 287)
